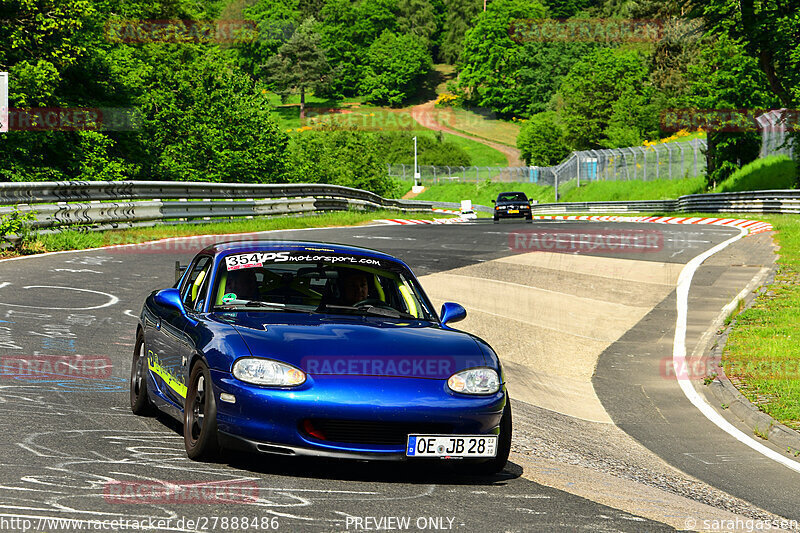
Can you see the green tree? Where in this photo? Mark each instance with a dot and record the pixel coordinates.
(340, 157)
(348, 31)
(276, 21)
(542, 141)
(39, 39)
(396, 65)
(568, 8)
(209, 122)
(589, 94)
(459, 15)
(536, 76)
(418, 18)
(300, 64)
(490, 74)
(727, 78)
(768, 31)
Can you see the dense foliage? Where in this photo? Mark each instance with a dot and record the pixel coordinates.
(542, 140)
(192, 104)
(395, 67)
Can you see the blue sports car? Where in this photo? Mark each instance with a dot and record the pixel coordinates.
(302, 348)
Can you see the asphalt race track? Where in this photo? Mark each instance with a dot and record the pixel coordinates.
(66, 439)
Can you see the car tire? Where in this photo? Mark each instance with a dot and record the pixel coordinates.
(140, 399)
(529, 219)
(497, 463)
(496, 220)
(200, 416)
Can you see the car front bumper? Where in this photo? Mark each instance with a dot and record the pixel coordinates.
(505, 213)
(271, 420)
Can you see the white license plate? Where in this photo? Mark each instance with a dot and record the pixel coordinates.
(513, 211)
(451, 446)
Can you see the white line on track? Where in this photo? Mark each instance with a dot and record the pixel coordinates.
(679, 359)
(112, 300)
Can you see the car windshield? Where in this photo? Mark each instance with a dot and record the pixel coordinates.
(512, 197)
(338, 284)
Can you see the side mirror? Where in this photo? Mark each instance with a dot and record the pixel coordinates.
(171, 299)
(494, 201)
(452, 312)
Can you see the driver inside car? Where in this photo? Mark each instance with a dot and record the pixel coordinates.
(243, 284)
(353, 287)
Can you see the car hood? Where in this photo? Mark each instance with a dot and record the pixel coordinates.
(319, 344)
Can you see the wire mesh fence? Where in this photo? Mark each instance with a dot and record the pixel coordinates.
(434, 175)
(775, 139)
(662, 161)
(671, 160)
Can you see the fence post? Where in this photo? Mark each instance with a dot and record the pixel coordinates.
(434, 174)
(578, 173)
(615, 158)
(669, 160)
(555, 180)
(658, 161)
(644, 165)
(695, 157)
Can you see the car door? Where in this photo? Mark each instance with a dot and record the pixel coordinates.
(169, 346)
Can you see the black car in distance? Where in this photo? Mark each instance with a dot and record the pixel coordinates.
(512, 205)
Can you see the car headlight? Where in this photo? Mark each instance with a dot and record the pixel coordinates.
(259, 371)
(475, 381)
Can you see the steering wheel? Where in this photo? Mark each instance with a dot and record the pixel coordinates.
(374, 302)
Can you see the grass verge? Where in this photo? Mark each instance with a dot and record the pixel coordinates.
(483, 193)
(480, 125)
(762, 354)
(607, 191)
(78, 240)
(774, 172)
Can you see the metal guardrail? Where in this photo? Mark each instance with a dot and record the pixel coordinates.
(103, 205)
(771, 201)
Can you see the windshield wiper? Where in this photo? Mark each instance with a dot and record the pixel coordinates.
(237, 304)
(371, 310)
